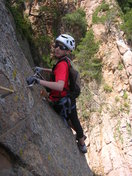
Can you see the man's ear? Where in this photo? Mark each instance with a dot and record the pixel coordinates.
(68, 52)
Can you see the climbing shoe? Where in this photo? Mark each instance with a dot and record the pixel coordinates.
(85, 137)
(82, 148)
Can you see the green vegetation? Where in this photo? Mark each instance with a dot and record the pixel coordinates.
(125, 108)
(126, 6)
(117, 99)
(40, 42)
(85, 101)
(114, 111)
(43, 40)
(55, 14)
(101, 13)
(89, 65)
(126, 105)
(21, 152)
(129, 129)
(76, 23)
(127, 26)
(107, 88)
(104, 14)
(120, 66)
(48, 61)
(53, 10)
(23, 25)
(76, 18)
(125, 95)
(118, 133)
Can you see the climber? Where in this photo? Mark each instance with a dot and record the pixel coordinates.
(64, 45)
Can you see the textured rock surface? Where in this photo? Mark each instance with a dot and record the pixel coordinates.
(33, 139)
(109, 128)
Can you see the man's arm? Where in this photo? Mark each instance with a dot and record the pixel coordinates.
(47, 70)
(59, 86)
(40, 69)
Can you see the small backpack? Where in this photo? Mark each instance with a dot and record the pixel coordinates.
(74, 79)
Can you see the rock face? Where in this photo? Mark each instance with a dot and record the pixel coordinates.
(109, 128)
(34, 141)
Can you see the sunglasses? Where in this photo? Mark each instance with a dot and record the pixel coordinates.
(62, 47)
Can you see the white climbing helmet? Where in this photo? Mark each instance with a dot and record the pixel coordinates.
(67, 40)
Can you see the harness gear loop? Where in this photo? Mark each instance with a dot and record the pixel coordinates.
(65, 102)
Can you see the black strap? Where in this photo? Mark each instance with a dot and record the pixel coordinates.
(62, 59)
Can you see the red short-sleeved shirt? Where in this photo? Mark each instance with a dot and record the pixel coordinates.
(61, 72)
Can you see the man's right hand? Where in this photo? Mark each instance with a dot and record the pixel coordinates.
(38, 69)
(32, 80)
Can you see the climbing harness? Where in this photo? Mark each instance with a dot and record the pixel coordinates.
(65, 102)
(67, 106)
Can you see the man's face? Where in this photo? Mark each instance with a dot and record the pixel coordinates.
(60, 50)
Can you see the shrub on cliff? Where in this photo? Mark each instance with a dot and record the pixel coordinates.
(101, 13)
(76, 24)
(127, 26)
(90, 65)
(126, 6)
(23, 25)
